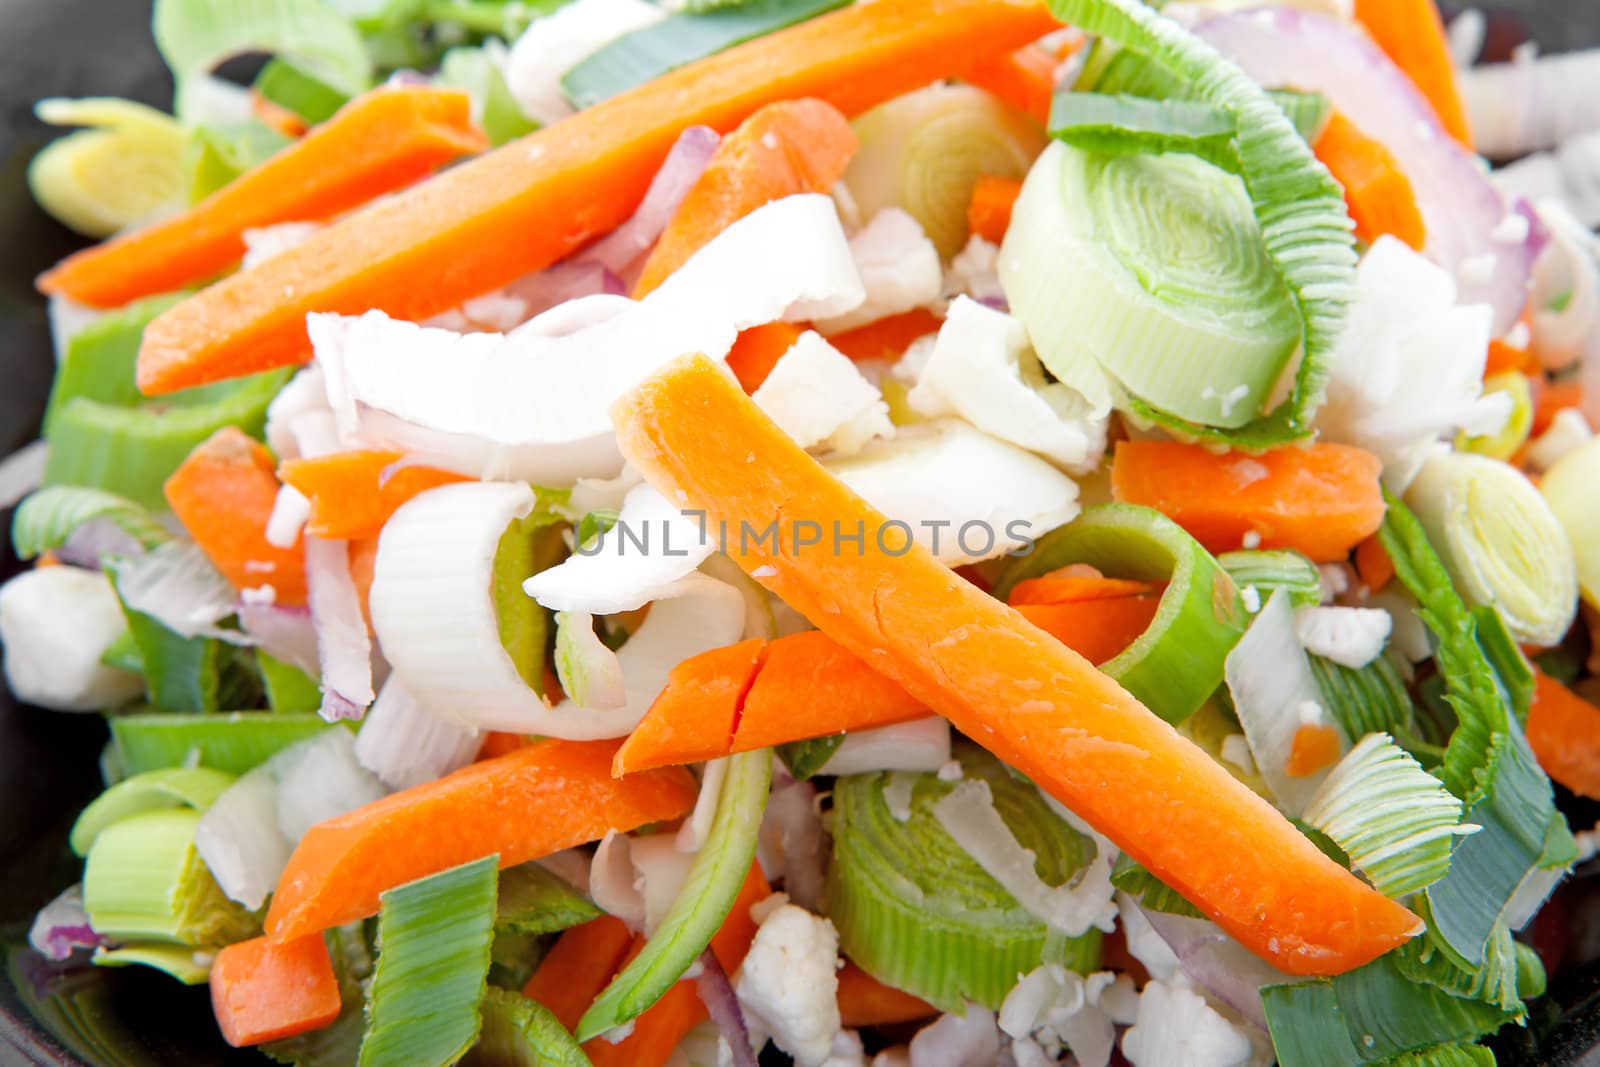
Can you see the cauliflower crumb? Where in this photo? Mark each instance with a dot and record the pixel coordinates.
(1177, 1028)
(788, 984)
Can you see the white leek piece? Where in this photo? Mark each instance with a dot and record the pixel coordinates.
(124, 168)
(404, 744)
(1501, 541)
(637, 878)
(983, 370)
(1569, 489)
(556, 43)
(343, 648)
(240, 841)
(919, 745)
(589, 672)
(819, 397)
(899, 269)
(55, 624)
(320, 778)
(536, 407)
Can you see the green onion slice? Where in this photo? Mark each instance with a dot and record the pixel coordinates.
(187, 965)
(308, 96)
(45, 520)
(708, 893)
(1268, 570)
(196, 788)
(1176, 664)
(518, 1032)
(1367, 700)
(234, 743)
(806, 758)
(1131, 877)
(1122, 125)
(433, 964)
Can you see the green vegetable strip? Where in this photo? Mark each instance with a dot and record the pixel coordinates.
(518, 1032)
(45, 520)
(1176, 664)
(1268, 570)
(289, 87)
(182, 674)
(196, 788)
(1457, 1054)
(1511, 668)
(123, 654)
(180, 961)
(708, 893)
(234, 743)
(1300, 207)
(99, 360)
(1495, 981)
(533, 900)
(434, 936)
(219, 154)
(914, 909)
(287, 687)
(1154, 894)
(679, 39)
(806, 758)
(1368, 700)
(1119, 125)
(494, 108)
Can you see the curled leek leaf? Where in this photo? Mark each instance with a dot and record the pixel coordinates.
(924, 151)
(915, 910)
(1569, 489)
(1268, 570)
(518, 1032)
(127, 166)
(1176, 664)
(1364, 700)
(46, 519)
(196, 788)
(1501, 542)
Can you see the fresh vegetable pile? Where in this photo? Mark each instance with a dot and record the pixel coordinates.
(924, 532)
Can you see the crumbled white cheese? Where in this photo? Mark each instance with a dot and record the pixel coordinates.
(899, 268)
(788, 983)
(970, 1040)
(1351, 637)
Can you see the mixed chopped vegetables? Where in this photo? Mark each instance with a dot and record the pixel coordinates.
(921, 533)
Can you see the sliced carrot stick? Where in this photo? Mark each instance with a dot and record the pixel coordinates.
(263, 990)
(532, 202)
(350, 494)
(1505, 357)
(888, 338)
(792, 146)
(989, 213)
(865, 1001)
(540, 799)
(1552, 399)
(1314, 747)
(1097, 630)
(1034, 702)
(1373, 565)
(223, 493)
(1376, 190)
(694, 717)
(496, 744)
(578, 966)
(758, 350)
(363, 556)
(1412, 34)
(1058, 588)
(277, 116)
(377, 143)
(1564, 731)
(1025, 79)
(1322, 500)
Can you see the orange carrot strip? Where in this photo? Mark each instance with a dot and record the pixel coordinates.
(1564, 732)
(496, 744)
(377, 143)
(792, 146)
(1025, 79)
(1313, 748)
(540, 799)
(1098, 630)
(1064, 589)
(694, 717)
(363, 556)
(349, 495)
(1036, 704)
(578, 966)
(1412, 34)
(1322, 500)
(223, 493)
(758, 350)
(989, 213)
(888, 338)
(277, 116)
(865, 1001)
(263, 990)
(1552, 399)
(532, 202)
(1504, 358)
(1376, 190)
(1373, 565)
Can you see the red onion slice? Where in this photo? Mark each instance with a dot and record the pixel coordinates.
(62, 927)
(679, 171)
(716, 992)
(1228, 970)
(283, 633)
(1465, 215)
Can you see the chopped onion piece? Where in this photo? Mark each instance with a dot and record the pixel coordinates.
(62, 927)
(1351, 637)
(819, 397)
(899, 267)
(283, 633)
(628, 243)
(793, 846)
(556, 43)
(176, 585)
(290, 511)
(1567, 272)
(920, 745)
(1228, 971)
(320, 778)
(307, 391)
(1568, 432)
(1530, 104)
(55, 624)
(343, 647)
(968, 1040)
(240, 840)
(637, 878)
(716, 993)
(404, 744)
(697, 827)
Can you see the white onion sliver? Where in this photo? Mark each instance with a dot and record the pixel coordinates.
(62, 927)
(678, 173)
(1228, 970)
(611, 880)
(305, 392)
(290, 510)
(21, 472)
(343, 646)
(404, 744)
(283, 633)
(793, 846)
(318, 779)
(239, 839)
(1527, 105)
(919, 745)
(554, 286)
(176, 585)
(692, 834)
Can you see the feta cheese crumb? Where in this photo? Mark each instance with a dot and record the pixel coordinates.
(1252, 599)
(788, 983)
(1351, 637)
(970, 1040)
(950, 772)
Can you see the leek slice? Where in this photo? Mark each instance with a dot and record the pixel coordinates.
(493, 107)
(309, 97)
(1511, 668)
(196, 788)
(1366, 700)
(1119, 125)
(424, 1003)
(1456, 1054)
(914, 909)
(127, 166)
(182, 674)
(219, 154)
(1568, 487)
(287, 687)
(233, 743)
(708, 893)
(1501, 542)
(99, 360)
(1514, 434)
(45, 519)
(806, 758)
(533, 900)
(924, 151)
(1129, 876)
(1176, 664)
(1268, 570)
(185, 964)
(518, 1032)
(679, 39)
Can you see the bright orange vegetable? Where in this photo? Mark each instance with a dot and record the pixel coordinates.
(277, 116)
(1373, 565)
(363, 556)
(1025, 79)
(532, 202)
(223, 494)
(989, 213)
(694, 717)
(865, 1001)
(578, 966)
(1322, 500)
(1314, 747)
(1035, 703)
(537, 800)
(1098, 630)
(789, 147)
(1059, 588)
(1376, 190)
(1564, 732)
(379, 142)
(1412, 33)
(1551, 399)
(496, 743)
(264, 990)
(350, 497)
(888, 338)
(758, 350)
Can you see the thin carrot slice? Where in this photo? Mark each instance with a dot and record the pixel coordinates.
(263, 990)
(1322, 500)
(578, 966)
(1025, 79)
(1315, 746)
(1505, 357)
(1035, 703)
(363, 556)
(277, 116)
(496, 744)
(792, 146)
(758, 350)
(1376, 190)
(1373, 565)
(379, 142)
(1071, 589)
(989, 213)
(532, 202)
(1098, 630)
(353, 494)
(1552, 399)
(224, 493)
(888, 338)
(540, 799)
(1412, 34)
(1564, 732)
(865, 1001)
(694, 717)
